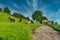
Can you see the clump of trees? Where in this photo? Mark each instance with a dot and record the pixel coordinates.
(18, 15)
(37, 15)
(6, 10)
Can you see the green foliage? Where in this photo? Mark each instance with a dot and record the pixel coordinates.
(17, 15)
(42, 18)
(0, 9)
(56, 27)
(37, 15)
(27, 18)
(6, 10)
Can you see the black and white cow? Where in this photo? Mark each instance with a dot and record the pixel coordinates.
(11, 19)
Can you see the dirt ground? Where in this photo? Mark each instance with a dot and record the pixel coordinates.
(45, 33)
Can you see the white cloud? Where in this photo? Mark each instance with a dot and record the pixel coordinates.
(28, 12)
(44, 10)
(12, 11)
(28, 2)
(34, 4)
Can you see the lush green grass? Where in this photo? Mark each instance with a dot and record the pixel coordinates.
(57, 27)
(15, 30)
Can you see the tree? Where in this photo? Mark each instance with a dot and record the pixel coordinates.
(37, 15)
(42, 18)
(27, 18)
(6, 10)
(18, 15)
(0, 9)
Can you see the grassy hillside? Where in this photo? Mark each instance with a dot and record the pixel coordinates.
(15, 30)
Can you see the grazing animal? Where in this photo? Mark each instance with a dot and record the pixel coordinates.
(45, 21)
(29, 21)
(11, 19)
(20, 20)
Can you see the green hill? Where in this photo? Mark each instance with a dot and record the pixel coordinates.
(15, 30)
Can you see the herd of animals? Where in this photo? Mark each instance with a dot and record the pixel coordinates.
(30, 21)
(27, 20)
(48, 22)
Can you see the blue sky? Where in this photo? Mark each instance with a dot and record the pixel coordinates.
(49, 8)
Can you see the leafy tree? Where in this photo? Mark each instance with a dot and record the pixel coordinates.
(27, 18)
(37, 15)
(42, 18)
(17, 15)
(0, 9)
(6, 10)
(56, 23)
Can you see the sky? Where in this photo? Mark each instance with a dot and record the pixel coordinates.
(49, 8)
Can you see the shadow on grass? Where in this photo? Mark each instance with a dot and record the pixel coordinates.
(1, 38)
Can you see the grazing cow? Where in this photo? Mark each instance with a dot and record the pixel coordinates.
(20, 19)
(11, 19)
(45, 21)
(51, 22)
(29, 21)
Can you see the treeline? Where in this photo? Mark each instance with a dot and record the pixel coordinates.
(15, 14)
(6, 10)
(37, 15)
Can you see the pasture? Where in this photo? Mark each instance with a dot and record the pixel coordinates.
(15, 30)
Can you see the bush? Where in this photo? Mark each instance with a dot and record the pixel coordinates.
(6, 10)
(0, 9)
(17, 15)
(37, 15)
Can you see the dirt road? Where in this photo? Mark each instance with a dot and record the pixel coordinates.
(45, 33)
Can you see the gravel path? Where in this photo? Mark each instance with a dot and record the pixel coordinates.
(45, 33)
